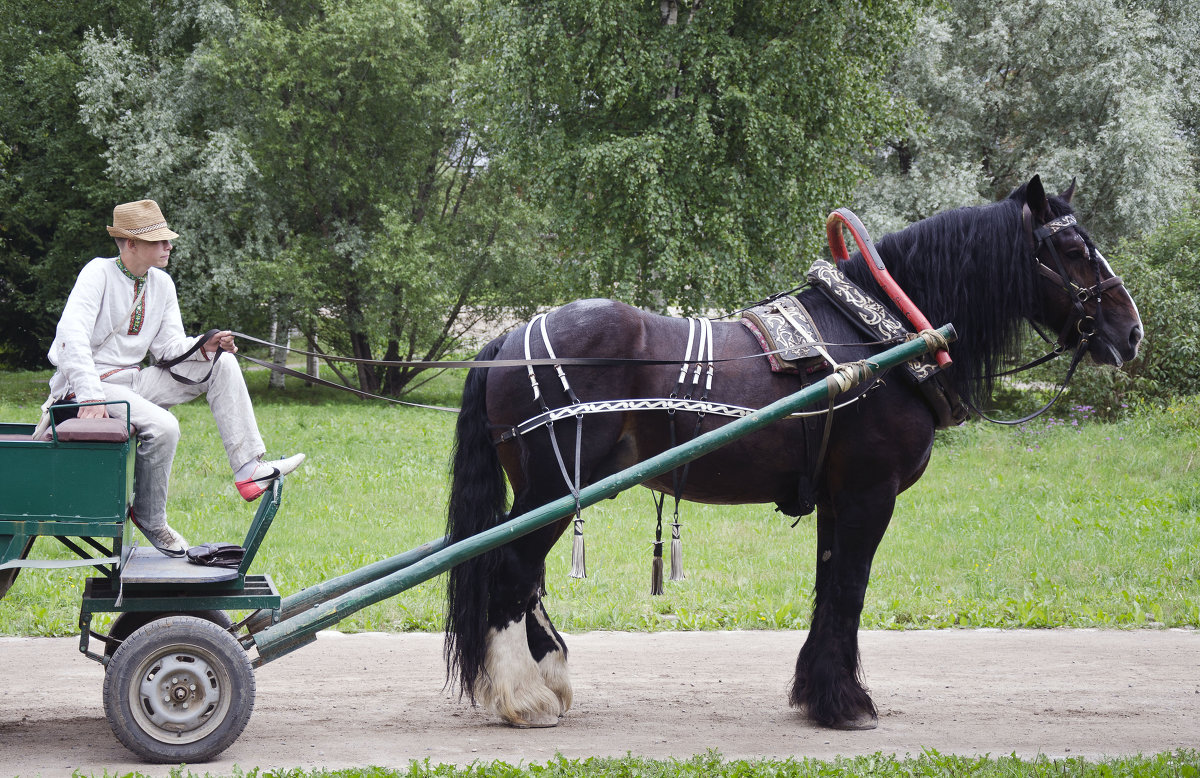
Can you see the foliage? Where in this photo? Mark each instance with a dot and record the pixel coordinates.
(690, 150)
(1091, 88)
(1181, 28)
(54, 192)
(352, 198)
(1167, 264)
(929, 763)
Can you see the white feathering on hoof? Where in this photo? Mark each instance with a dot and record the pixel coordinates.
(511, 685)
(553, 666)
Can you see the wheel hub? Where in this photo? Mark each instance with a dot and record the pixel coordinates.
(179, 692)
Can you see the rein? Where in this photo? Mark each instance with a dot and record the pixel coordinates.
(528, 362)
(444, 364)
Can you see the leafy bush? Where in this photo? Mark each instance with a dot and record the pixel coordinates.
(1160, 271)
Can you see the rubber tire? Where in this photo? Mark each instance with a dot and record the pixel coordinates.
(199, 662)
(8, 577)
(125, 624)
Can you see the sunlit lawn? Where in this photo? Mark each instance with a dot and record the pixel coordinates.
(1056, 524)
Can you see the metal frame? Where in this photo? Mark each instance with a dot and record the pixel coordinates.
(142, 587)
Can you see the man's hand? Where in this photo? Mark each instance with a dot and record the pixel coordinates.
(93, 412)
(222, 340)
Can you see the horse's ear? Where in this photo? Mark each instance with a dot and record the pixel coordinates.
(1035, 197)
(1069, 192)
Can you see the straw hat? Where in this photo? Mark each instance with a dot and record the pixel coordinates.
(140, 221)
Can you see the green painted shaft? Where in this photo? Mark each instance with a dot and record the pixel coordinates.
(277, 640)
(326, 590)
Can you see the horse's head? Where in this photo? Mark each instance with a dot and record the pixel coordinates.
(1082, 299)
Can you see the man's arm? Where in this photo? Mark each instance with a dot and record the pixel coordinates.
(171, 340)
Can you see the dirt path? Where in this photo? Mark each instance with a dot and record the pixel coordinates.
(377, 700)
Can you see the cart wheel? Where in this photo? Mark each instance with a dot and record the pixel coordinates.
(179, 689)
(7, 577)
(125, 624)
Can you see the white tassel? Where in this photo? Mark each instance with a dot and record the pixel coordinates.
(578, 552)
(677, 573)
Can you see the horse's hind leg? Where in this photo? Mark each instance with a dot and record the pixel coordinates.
(524, 688)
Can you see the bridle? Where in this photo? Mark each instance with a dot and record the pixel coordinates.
(1083, 323)
(1079, 321)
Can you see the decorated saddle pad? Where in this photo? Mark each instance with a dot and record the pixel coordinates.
(867, 312)
(787, 335)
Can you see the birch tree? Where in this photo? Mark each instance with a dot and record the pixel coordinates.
(689, 150)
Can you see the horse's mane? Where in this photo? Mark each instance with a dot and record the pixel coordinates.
(971, 267)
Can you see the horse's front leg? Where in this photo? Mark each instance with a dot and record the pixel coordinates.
(525, 678)
(828, 684)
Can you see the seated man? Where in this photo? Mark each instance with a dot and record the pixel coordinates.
(122, 308)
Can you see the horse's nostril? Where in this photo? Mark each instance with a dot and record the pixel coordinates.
(1135, 335)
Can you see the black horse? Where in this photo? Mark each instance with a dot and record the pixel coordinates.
(986, 269)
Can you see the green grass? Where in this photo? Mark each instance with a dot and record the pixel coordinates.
(929, 764)
(1057, 524)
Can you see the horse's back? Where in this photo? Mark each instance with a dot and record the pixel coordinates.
(583, 328)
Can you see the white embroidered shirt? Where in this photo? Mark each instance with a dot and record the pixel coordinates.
(96, 333)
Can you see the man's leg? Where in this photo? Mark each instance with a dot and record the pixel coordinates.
(158, 437)
(229, 400)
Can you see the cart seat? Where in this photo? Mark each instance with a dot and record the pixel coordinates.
(106, 430)
(146, 565)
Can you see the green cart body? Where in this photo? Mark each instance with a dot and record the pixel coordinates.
(77, 491)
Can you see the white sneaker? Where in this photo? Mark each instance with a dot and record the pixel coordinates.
(165, 539)
(264, 473)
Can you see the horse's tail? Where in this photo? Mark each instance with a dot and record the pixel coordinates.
(478, 501)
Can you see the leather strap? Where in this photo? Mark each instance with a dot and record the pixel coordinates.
(167, 364)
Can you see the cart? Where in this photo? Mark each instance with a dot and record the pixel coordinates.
(179, 673)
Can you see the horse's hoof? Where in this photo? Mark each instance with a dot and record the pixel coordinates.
(537, 722)
(865, 721)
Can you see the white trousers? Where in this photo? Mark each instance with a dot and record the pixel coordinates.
(150, 392)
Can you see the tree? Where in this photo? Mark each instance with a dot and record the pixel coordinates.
(689, 150)
(1087, 88)
(55, 197)
(326, 171)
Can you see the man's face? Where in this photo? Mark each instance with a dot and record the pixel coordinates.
(149, 253)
